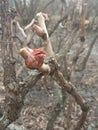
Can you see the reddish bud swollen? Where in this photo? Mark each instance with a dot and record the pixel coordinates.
(33, 58)
(38, 30)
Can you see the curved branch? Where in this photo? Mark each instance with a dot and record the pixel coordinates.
(70, 88)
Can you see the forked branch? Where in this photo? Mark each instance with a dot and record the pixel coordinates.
(33, 62)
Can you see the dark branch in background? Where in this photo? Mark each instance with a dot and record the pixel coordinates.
(24, 87)
(83, 65)
(18, 8)
(35, 5)
(57, 110)
(82, 36)
(49, 3)
(24, 5)
(76, 57)
(57, 24)
(66, 47)
(61, 20)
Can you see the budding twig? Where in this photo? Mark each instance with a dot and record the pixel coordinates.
(47, 42)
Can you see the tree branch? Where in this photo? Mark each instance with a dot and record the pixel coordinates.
(84, 62)
(21, 29)
(47, 43)
(70, 88)
(30, 24)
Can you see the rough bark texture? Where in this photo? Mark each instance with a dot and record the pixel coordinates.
(15, 92)
(12, 102)
(70, 88)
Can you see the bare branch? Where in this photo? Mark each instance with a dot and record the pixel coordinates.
(57, 24)
(21, 29)
(70, 88)
(83, 65)
(27, 36)
(30, 24)
(47, 42)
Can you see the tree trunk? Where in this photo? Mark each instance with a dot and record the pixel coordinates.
(12, 101)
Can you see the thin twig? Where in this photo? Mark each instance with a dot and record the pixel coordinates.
(29, 25)
(21, 29)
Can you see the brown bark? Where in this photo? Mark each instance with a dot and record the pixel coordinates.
(14, 92)
(12, 101)
(70, 88)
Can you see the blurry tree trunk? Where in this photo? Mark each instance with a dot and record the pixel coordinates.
(12, 102)
(15, 92)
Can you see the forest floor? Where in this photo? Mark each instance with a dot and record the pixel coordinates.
(39, 102)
